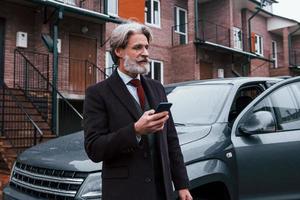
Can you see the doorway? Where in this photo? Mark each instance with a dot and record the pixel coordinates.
(83, 56)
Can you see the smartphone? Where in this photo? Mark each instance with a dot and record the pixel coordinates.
(163, 106)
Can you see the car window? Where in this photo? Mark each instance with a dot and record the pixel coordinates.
(198, 104)
(243, 97)
(284, 105)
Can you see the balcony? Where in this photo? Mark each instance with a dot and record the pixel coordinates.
(96, 5)
(295, 57)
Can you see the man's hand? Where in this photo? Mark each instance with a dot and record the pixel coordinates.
(184, 194)
(150, 122)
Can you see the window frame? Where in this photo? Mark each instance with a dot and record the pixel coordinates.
(161, 70)
(259, 48)
(177, 21)
(151, 23)
(274, 52)
(236, 43)
(107, 67)
(116, 14)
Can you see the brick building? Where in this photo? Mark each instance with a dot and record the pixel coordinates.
(194, 39)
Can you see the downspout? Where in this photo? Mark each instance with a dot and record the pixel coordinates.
(55, 70)
(196, 19)
(290, 43)
(249, 28)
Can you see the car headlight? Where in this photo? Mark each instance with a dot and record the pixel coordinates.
(91, 187)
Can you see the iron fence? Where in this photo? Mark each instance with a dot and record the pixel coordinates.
(17, 125)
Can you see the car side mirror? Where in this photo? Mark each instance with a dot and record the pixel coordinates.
(258, 122)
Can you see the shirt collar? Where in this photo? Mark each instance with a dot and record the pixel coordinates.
(125, 78)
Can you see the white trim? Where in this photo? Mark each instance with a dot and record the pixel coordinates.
(151, 23)
(178, 9)
(274, 53)
(259, 50)
(161, 70)
(237, 44)
(116, 14)
(107, 58)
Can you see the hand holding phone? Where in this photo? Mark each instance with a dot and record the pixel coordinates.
(163, 106)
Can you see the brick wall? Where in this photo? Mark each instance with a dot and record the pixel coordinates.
(4, 178)
(30, 20)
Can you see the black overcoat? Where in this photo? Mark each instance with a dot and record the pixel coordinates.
(109, 116)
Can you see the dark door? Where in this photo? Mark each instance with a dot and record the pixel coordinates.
(82, 57)
(267, 151)
(2, 38)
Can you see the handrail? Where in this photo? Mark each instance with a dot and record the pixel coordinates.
(50, 84)
(24, 111)
(98, 68)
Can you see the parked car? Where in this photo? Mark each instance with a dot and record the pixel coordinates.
(230, 152)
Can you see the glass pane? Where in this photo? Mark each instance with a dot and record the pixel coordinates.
(157, 71)
(182, 39)
(148, 10)
(113, 7)
(202, 103)
(285, 106)
(182, 21)
(155, 13)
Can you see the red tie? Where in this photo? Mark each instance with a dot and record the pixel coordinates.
(140, 91)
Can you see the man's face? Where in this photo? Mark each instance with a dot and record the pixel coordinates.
(134, 59)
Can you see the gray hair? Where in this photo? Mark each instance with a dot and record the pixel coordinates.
(120, 36)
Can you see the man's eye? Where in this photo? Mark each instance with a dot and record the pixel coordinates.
(138, 47)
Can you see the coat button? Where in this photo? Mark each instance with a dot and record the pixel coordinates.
(145, 155)
(148, 180)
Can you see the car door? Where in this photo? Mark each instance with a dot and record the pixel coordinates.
(266, 140)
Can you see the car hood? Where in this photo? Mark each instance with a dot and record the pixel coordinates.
(190, 133)
(64, 153)
(67, 152)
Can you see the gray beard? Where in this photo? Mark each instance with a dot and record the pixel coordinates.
(132, 66)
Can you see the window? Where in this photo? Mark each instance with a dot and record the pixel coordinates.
(237, 38)
(274, 53)
(112, 7)
(152, 12)
(70, 2)
(267, 5)
(109, 64)
(284, 106)
(259, 45)
(180, 17)
(156, 70)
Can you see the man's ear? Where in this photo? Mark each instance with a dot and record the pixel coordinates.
(120, 52)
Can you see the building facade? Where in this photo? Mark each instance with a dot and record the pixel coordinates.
(43, 85)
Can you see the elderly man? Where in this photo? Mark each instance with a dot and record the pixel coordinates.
(139, 148)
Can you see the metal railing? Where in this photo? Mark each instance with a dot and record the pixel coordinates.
(215, 33)
(279, 60)
(75, 75)
(27, 81)
(295, 57)
(17, 125)
(32, 81)
(96, 5)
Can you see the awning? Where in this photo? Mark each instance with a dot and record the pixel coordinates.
(250, 55)
(78, 10)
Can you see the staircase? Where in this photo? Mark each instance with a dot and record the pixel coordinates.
(22, 125)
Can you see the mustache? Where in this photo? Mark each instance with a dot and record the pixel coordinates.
(143, 60)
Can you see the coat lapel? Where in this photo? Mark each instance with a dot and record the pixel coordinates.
(150, 93)
(121, 92)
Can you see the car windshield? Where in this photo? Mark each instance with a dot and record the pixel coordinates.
(198, 104)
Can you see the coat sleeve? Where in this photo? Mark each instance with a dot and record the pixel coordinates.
(177, 166)
(100, 143)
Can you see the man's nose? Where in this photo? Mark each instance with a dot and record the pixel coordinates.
(145, 52)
